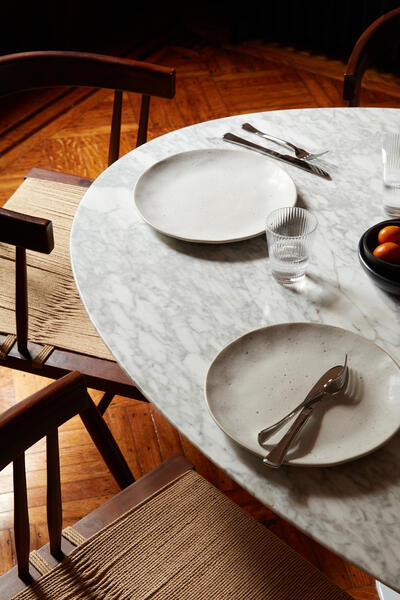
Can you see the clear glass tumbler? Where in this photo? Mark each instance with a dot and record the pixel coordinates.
(290, 235)
(391, 174)
(391, 159)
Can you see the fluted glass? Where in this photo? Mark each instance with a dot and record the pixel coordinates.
(391, 173)
(290, 234)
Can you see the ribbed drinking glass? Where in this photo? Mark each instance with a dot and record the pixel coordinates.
(391, 173)
(290, 235)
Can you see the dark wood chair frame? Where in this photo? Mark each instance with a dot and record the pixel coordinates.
(382, 31)
(31, 70)
(29, 421)
(39, 416)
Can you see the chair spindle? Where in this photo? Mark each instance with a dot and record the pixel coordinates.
(143, 121)
(54, 506)
(21, 518)
(113, 150)
(21, 300)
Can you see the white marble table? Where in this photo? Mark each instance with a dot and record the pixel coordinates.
(165, 308)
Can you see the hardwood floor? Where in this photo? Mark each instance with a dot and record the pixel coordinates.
(66, 130)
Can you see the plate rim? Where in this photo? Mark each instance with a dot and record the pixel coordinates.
(289, 462)
(212, 149)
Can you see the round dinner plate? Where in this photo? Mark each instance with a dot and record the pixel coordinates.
(212, 195)
(261, 376)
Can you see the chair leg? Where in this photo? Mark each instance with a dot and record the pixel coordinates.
(105, 402)
(106, 445)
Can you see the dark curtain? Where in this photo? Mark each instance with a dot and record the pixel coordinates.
(329, 27)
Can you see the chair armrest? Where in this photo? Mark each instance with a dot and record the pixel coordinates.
(32, 233)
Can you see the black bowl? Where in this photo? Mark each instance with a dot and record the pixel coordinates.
(370, 242)
(385, 283)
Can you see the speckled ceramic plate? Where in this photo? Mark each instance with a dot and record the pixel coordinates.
(212, 195)
(261, 376)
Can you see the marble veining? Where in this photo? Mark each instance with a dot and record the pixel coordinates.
(165, 308)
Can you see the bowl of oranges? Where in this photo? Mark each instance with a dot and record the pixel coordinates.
(379, 254)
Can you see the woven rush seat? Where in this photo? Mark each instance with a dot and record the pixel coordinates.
(186, 541)
(57, 316)
(169, 535)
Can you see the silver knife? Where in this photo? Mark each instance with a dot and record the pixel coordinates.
(311, 396)
(287, 158)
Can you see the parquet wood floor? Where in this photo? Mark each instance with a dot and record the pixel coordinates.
(66, 130)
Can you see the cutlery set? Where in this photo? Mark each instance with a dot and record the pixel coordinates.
(331, 383)
(335, 379)
(300, 160)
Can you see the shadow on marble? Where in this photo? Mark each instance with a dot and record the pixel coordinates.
(244, 251)
(369, 475)
(301, 202)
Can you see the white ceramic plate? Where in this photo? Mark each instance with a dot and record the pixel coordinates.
(212, 195)
(261, 376)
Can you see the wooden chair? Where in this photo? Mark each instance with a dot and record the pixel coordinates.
(61, 338)
(169, 535)
(377, 37)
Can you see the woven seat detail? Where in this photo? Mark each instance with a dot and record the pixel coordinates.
(187, 542)
(56, 314)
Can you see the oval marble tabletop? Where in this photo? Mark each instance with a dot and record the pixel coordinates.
(166, 308)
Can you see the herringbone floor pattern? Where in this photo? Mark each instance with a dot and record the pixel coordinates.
(66, 130)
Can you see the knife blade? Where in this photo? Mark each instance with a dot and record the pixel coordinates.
(287, 158)
(309, 399)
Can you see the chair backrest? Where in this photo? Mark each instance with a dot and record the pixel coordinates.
(378, 36)
(25, 233)
(31, 70)
(30, 420)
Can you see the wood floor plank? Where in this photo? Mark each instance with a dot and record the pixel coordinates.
(7, 391)
(316, 91)
(69, 473)
(38, 108)
(72, 511)
(249, 504)
(295, 539)
(265, 92)
(37, 139)
(6, 555)
(167, 436)
(333, 93)
(22, 106)
(72, 491)
(333, 566)
(358, 577)
(197, 458)
(120, 426)
(317, 63)
(26, 384)
(226, 483)
(193, 102)
(148, 450)
(367, 592)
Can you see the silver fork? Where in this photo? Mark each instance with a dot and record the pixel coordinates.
(299, 152)
(277, 455)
